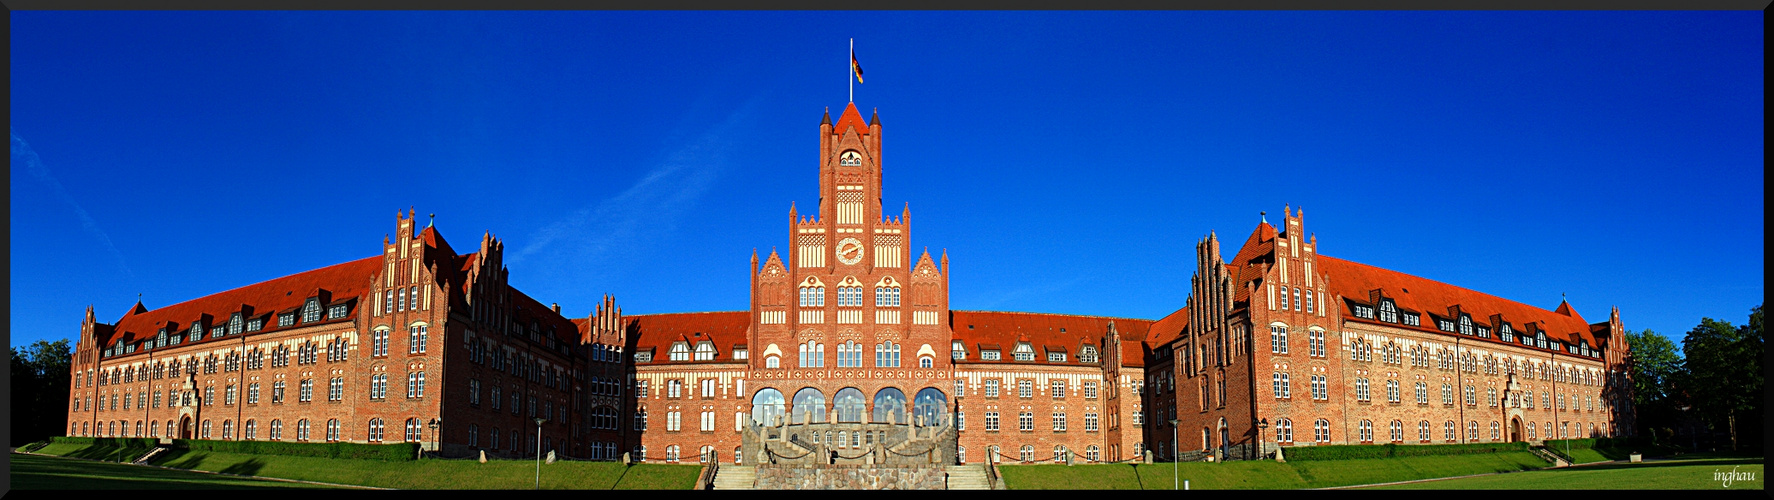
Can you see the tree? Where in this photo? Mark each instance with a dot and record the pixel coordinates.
(40, 390)
(1724, 372)
(1656, 364)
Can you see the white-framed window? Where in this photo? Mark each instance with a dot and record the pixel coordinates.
(887, 354)
(1447, 394)
(1450, 431)
(1392, 391)
(1395, 431)
(1025, 421)
(1367, 431)
(1422, 393)
(991, 387)
(1057, 389)
(1059, 421)
(674, 388)
(1023, 352)
(708, 420)
(375, 430)
(1280, 388)
(1320, 387)
(926, 362)
(1089, 388)
(335, 390)
(1090, 422)
(302, 430)
(991, 421)
(1361, 389)
(1284, 431)
(306, 392)
(1056, 357)
(708, 388)
(1025, 388)
(672, 420)
(417, 338)
(1321, 431)
(989, 355)
(957, 350)
(1423, 431)
(1278, 339)
(705, 351)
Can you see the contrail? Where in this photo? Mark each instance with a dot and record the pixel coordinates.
(650, 205)
(21, 151)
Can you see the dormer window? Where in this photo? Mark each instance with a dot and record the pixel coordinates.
(1087, 354)
(1413, 319)
(1388, 312)
(740, 353)
(957, 350)
(1362, 311)
(234, 324)
(679, 352)
(643, 357)
(1505, 333)
(1465, 325)
(160, 338)
(1023, 352)
(1056, 356)
(1540, 340)
(989, 355)
(335, 312)
(850, 159)
(255, 324)
(286, 319)
(705, 351)
(1444, 325)
(311, 310)
(1484, 333)
(196, 331)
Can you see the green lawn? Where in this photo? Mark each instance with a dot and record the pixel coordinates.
(35, 472)
(1659, 475)
(441, 474)
(422, 474)
(1263, 474)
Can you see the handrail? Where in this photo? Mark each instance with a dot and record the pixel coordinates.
(710, 467)
(991, 473)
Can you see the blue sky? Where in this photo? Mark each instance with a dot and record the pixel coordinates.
(1068, 162)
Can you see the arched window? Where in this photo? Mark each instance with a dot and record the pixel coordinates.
(812, 354)
(375, 432)
(887, 354)
(1284, 431)
(671, 453)
(249, 432)
(302, 430)
(205, 429)
(889, 406)
(809, 406)
(1321, 431)
(926, 362)
(1027, 454)
(413, 431)
(276, 430)
(930, 406)
(772, 361)
(849, 354)
(849, 405)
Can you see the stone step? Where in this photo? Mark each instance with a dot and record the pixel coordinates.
(736, 477)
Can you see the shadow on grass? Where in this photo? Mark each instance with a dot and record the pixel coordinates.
(30, 472)
(1672, 463)
(250, 467)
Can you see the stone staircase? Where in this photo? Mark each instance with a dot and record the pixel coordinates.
(967, 477)
(151, 454)
(736, 477)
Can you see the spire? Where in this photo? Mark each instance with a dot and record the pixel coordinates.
(875, 119)
(433, 220)
(827, 119)
(1264, 216)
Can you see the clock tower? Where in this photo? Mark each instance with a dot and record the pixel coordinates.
(849, 309)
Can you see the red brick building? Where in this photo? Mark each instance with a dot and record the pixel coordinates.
(849, 349)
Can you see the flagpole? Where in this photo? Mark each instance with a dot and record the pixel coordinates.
(847, 75)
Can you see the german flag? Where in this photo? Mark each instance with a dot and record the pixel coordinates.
(855, 67)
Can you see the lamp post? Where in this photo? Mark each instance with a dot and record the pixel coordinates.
(1175, 445)
(539, 422)
(1262, 430)
(434, 424)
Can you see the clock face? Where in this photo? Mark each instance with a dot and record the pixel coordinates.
(849, 251)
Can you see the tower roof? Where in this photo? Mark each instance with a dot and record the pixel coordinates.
(851, 117)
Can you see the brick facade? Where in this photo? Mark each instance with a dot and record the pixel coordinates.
(850, 311)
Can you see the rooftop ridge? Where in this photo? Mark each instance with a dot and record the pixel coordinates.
(1053, 314)
(248, 285)
(1443, 283)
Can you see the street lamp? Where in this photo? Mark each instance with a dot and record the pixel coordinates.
(539, 422)
(1176, 446)
(434, 424)
(1262, 430)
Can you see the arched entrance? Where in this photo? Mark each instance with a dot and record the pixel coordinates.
(1514, 429)
(185, 427)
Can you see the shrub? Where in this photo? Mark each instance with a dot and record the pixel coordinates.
(1361, 451)
(389, 452)
(107, 442)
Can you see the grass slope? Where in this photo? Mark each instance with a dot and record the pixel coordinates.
(1660, 475)
(440, 474)
(34, 472)
(1245, 475)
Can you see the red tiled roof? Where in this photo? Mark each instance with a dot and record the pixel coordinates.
(531, 310)
(1354, 280)
(1260, 243)
(344, 282)
(975, 328)
(1168, 328)
(658, 331)
(851, 118)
